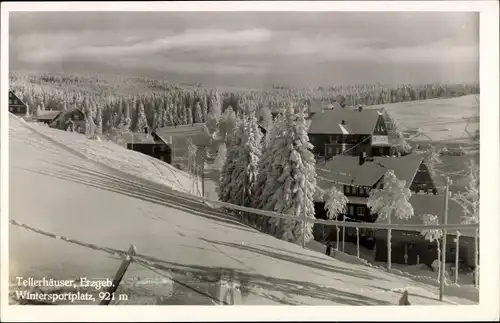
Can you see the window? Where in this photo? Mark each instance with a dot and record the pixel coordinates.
(360, 211)
(330, 150)
(10, 95)
(381, 150)
(10, 101)
(347, 189)
(361, 191)
(351, 210)
(15, 101)
(18, 109)
(11, 109)
(337, 150)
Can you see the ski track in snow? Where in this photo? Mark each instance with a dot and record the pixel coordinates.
(60, 185)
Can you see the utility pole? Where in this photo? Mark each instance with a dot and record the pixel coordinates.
(445, 232)
(457, 245)
(243, 192)
(389, 248)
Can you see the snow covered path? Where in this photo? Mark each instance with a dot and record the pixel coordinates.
(59, 192)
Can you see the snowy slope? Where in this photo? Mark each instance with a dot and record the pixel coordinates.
(131, 162)
(189, 244)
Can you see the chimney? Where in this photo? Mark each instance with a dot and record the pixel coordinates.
(343, 122)
(362, 157)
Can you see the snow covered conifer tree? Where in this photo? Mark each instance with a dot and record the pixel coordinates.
(204, 108)
(265, 170)
(126, 117)
(391, 200)
(189, 115)
(99, 120)
(227, 123)
(251, 151)
(220, 159)
(198, 115)
(291, 184)
(142, 121)
(228, 173)
(214, 114)
(335, 203)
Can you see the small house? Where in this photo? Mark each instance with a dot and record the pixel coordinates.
(71, 119)
(16, 105)
(47, 117)
(177, 139)
(147, 144)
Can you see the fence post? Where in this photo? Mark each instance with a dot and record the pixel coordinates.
(119, 275)
(357, 242)
(445, 232)
(476, 258)
(303, 221)
(343, 235)
(389, 247)
(457, 240)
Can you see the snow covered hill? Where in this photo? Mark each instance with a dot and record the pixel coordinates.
(187, 245)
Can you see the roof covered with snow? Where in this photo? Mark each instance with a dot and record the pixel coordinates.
(134, 137)
(355, 121)
(346, 169)
(48, 115)
(198, 132)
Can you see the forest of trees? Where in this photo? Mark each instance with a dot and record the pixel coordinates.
(159, 103)
(276, 173)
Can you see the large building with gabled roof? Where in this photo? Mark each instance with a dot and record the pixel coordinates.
(334, 131)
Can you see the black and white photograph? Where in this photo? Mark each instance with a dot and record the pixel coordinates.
(198, 154)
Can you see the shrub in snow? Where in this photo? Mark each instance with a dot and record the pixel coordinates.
(469, 201)
(392, 200)
(433, 235)
(335, 203)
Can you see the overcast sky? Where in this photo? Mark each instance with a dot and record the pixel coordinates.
(253, 48)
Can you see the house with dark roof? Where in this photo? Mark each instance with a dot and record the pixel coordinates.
(47, 117)
(16, 105)
(148, 144)
(348, 131)
(357, 176)
(71, 119)
(177, 139)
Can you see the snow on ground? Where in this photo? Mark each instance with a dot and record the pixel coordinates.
(440, 119)
(187, 245)
(113, 155)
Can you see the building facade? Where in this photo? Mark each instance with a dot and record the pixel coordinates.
(16, 105)
(356, 177)
(71, 119)
(349, 132)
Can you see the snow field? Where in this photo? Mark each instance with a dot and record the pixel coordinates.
(71, 196)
